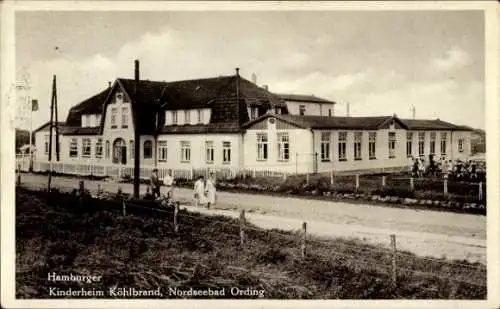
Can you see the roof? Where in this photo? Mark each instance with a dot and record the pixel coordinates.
(233, 127)
(328, 122)
(429, 124)
(70, 130)
(304, 98)
(46, 126)
(92, 105)
(359, 123)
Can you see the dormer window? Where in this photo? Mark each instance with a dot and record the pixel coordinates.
(302, 110)
(254, 112)
(174, 117)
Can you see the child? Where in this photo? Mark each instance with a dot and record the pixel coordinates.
(210, 190)
(155, 184)
(169, 182)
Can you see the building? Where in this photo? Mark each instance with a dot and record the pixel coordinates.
(230, 124)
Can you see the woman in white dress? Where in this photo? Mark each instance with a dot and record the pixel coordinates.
(210, 191)
(199, 192)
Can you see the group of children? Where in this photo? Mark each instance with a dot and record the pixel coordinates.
(445, 168)
(204, 189)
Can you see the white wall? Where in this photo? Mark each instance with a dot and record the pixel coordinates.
(198, 150)
(317, 109)
(300, 159)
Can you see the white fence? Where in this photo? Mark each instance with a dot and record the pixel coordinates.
(124, 171)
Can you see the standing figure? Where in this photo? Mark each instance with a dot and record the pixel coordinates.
(169, 182)
(210, 191)
(421, 168)
(199, 192)
(155, 184)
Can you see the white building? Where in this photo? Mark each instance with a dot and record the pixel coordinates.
(230, 124)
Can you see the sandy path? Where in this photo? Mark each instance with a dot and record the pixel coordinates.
(426, 233)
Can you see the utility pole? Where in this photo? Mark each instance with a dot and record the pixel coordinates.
(137, 136)
(413, 111)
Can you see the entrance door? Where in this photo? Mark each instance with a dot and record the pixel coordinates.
(119, 151)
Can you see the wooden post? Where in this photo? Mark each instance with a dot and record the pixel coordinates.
(480, 190)
(124, 207)
(445, 187)
(303, 240)
(331, 178)
(307, 178)
(176, 213)
(81, 187)
(284, 176)
(357, 182)
(412, 185)
(394, 270)
(383, 181)
(18, 181)
(253, 173)
(296, 163)
(242, 227)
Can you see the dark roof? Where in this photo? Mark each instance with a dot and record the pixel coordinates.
(428, 124)
(70, 130)
(232, 127)
(303, 98)
(45, 126)
(328, 122)
(92, 105)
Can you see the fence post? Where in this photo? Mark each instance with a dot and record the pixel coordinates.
(383, 181)
(394, 270)
(176, 213)
(412, 185)
(307, 178)
(303, 243)
(124, 207)
(18, 180)
(296, 163)
(242, 227)
(445, 185)
(331, 178)
(284, 175)
(357, 182)
(253, 173)
(480, 190)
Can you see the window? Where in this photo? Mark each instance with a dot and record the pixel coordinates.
(357, 145)
(461, 145)
(392, 144)
(86, 147)
(443, 143)
(432, 145)
(283, 147)
(302, 110)
(107, 150)
(209, 152)
(342, 146)
(187, 117)
(226, 152)
(200, 116)
(325, 146)
(73, 148)
(421, 143)
(162, 151)
(97, 120)
(330, 112)
(148, 150)
(84, 121)
(409, 143)
(254, 111)
(113, 117)
(89, 121)
(132, 149)
(372, 141)
(46, 144)
(119, 97)
(124, 117)
(98, 148)
(261, 146)
(174, 117)
(277, 110)
(185, 151)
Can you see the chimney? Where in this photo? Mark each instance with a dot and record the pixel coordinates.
(238, 72)
(265, 87)
(413, 111)
(136, 70)
(109, 84)
(347, 109)
(254, 78)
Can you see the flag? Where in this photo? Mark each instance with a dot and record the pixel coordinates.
(34, 105)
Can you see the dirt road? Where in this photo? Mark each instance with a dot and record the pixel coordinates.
(426, 233)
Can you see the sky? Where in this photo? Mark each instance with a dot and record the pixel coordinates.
(381, 62)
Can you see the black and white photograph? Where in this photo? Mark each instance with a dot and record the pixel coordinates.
(190, 151)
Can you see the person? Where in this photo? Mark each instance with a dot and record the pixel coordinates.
(210, 191)
(169, 182)
(199, 192)
(415, 167)
(421, 168)
(155, 184)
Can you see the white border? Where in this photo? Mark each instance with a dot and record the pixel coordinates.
(7, 161)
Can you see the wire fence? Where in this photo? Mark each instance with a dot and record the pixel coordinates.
(389, 262)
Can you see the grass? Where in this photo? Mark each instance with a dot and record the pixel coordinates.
(56, 234)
